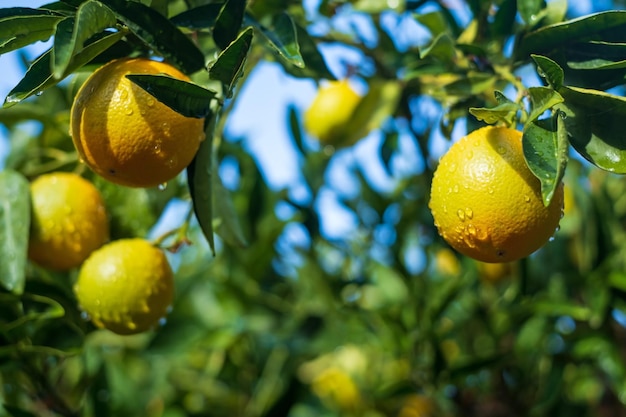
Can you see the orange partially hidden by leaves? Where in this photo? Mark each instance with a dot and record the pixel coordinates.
(124, 134)
(330, 111)
(486, 202)
(69, 220)
(126, 286)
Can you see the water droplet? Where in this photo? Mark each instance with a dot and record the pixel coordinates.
(131, 325)
(471, 230)
(501, 150)
(162, 186)
(455, 188)
(469, 155)
(124, 95)
(85, 316)
(171, 162)
(558, 227)
(527, 199)
(129, 112)
(469, 213)
(490, 190)
(38, 93)
(162, 321)
(461, 214)
(452, 167)
(150, 102)
(551, 239)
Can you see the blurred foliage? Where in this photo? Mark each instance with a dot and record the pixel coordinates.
(284, 320)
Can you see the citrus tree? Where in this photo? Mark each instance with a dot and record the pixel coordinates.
(247, 305)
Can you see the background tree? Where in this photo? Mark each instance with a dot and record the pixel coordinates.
(383, 321)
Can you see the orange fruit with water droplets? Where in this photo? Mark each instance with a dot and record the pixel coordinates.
(68, 220)
(124, 134)
(485, 201)
(126, 286)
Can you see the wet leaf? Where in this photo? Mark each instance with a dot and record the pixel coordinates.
(14, 230)
(594, 122)
(184, 97)
(71, 33)
(541, 100)
(229, 65)
(39, 75)
(546, 150)
(549, 70)
(159, 33)
(529, 10)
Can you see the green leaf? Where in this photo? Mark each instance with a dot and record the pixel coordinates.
(558, 308)
(545, 149)
(202, 17)
(184, 97)
(541, 100)
(549, 70)
(229, 65)
(597, 64)
(295, 128)
(470, 86)
(314, 64)
(39, 76)
(159, 33)
(529, 10)
(200, 179)
(554, 36)
(281, 36)
(505, 111)
(71, 33)
(228, 23)
(14, 232)
(36, 308)
(442, 48)
(435, 22)
(594, 122)
(228, 226)
(25, 26)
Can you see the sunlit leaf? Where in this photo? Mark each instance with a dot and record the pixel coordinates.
(595, 64)
(549, 70)
(15, 228)
(505, 111)
(21, 26)
(159, 33)
(282, 37)
(314, 63)
(71, 33)
(39, 75)
(228, 23)
(186, 98)
(529, 10)
(594, 122)
(541, 100)
(229, 65)
(546, 151)
(550, 37)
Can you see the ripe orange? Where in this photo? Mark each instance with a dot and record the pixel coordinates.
(124, 134)
(330, 111)
(69, 220)
(485, 201)
(126, 286)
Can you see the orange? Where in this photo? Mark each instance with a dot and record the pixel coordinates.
(126, 286)
(485, 201)
(330, 111)
(69, 220)
(495, 272)
(124, 134)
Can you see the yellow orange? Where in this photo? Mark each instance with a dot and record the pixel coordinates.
(124, 134)
(485, 201)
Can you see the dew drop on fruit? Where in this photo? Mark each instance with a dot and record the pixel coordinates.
(461, 214)
(150, 102)
(527, 199)
(551, 239)
(469, 155)
(452, 167)
(162, 186)
(501, 150)
(129, 112)
(162, 321)
(85, 316)
(469, 213)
